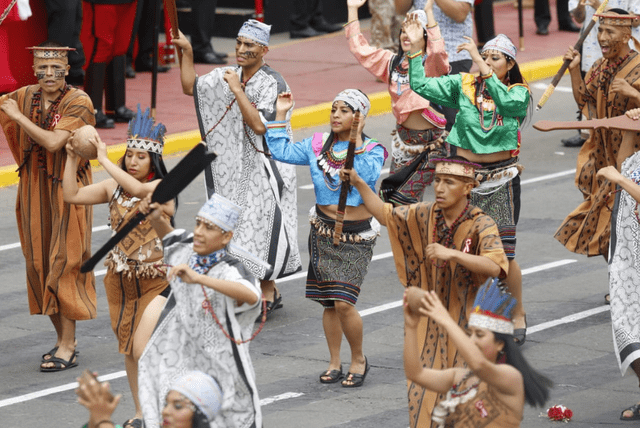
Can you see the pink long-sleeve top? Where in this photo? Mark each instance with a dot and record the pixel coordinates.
(378, 62)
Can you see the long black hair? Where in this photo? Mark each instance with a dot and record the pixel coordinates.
(536, 385)
(199, 419)
(397, 58)
(159, 170)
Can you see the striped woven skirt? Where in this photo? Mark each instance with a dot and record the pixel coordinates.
(337, 272)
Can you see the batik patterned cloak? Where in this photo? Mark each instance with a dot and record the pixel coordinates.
(263, 187)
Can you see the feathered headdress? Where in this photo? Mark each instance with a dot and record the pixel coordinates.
(143, 135)
(492, 308)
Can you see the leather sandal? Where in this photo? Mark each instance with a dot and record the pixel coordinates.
(355, 379)
(331, 376)
(520, 334)
(635, 413)
(59, 364)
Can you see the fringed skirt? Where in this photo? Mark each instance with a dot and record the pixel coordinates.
(337, 272)
(499, 196)
(406, 147)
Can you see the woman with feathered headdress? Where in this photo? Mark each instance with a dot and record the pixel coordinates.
(135, 282)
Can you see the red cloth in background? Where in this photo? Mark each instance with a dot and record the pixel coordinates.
(106, 30)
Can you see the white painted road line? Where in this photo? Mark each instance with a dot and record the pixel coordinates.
(544, 86)
(363, 313)
(549, 176)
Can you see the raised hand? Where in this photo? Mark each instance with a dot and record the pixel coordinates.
(573, 56)
(284, 102)
(413, 28)
(185, 273)
(182, 42)
(433, 308)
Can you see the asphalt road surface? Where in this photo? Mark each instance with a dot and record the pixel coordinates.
(569, 337)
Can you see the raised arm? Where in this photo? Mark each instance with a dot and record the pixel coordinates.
(403, 6)
(456, 10)
(128, 182)
(504, 377)
(98, 193)
(434, 380)
(577, 83)
(437, 62)
(374, 204)
(160, 223)
(187, 70)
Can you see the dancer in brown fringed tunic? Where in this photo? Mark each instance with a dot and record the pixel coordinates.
(136, 272)
(55, 236)
(586, 229)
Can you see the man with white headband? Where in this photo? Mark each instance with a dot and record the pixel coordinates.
(55, 237)
(233, 104)
(448, 246)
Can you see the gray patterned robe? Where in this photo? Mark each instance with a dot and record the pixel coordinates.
(263, 187)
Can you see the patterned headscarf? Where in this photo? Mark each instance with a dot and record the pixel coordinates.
(257, 31)
(421, 16)
(202, 390)
(501, 43)
(356, 99)
(220, 211)
(143, 135)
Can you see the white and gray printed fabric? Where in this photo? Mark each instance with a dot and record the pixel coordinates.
(624, 271)
(187, 338)
(263, 187)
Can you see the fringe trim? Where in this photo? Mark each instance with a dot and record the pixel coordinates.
(328, 231)
(145, 270)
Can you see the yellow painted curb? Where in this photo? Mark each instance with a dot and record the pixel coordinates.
(304, 117)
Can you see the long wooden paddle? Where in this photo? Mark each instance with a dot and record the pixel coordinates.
(345, 187)
(565, 64)
(171, 185)
(618, 122)
(172, 12)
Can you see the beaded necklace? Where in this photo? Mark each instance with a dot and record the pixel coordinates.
(51, 119)
(482, 95)
(447, 232)
(401, 74)
(613, 67)
(331, 162)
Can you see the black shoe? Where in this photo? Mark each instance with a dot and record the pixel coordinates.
(122, 114)
(542, 30)
(129, 72)
(575, 141)
(220, 54)
(208, 58)
(147, 65)
(327, 27)
(103, 122)
(307, 32)
(568, 26)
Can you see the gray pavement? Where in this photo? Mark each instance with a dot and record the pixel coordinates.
(291, 352)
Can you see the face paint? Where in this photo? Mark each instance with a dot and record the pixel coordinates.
(59, 74)
(40, 76)
(250, 54)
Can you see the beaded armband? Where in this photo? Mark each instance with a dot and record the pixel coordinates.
(414, 55)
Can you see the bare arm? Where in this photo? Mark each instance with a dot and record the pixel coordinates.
(434, 380)
(160, 224)
(52, 141)
(403, 6)
(611, 173)
(236, 290)
(372, 202)
(187, 70)
(98, 193)
(477, 264)
(577, 83)
(250, 114)
(504, 377)
(128, 182)
(456, 10)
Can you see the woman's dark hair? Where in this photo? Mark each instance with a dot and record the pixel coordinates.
(160, 170)
(199, 419)
(397, 58)
(536, 385)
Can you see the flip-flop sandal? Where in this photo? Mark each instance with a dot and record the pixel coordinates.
(59, 364)
(331, 376)
(271, 306)
(356, 379)
(133, 423)
(635, 413)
